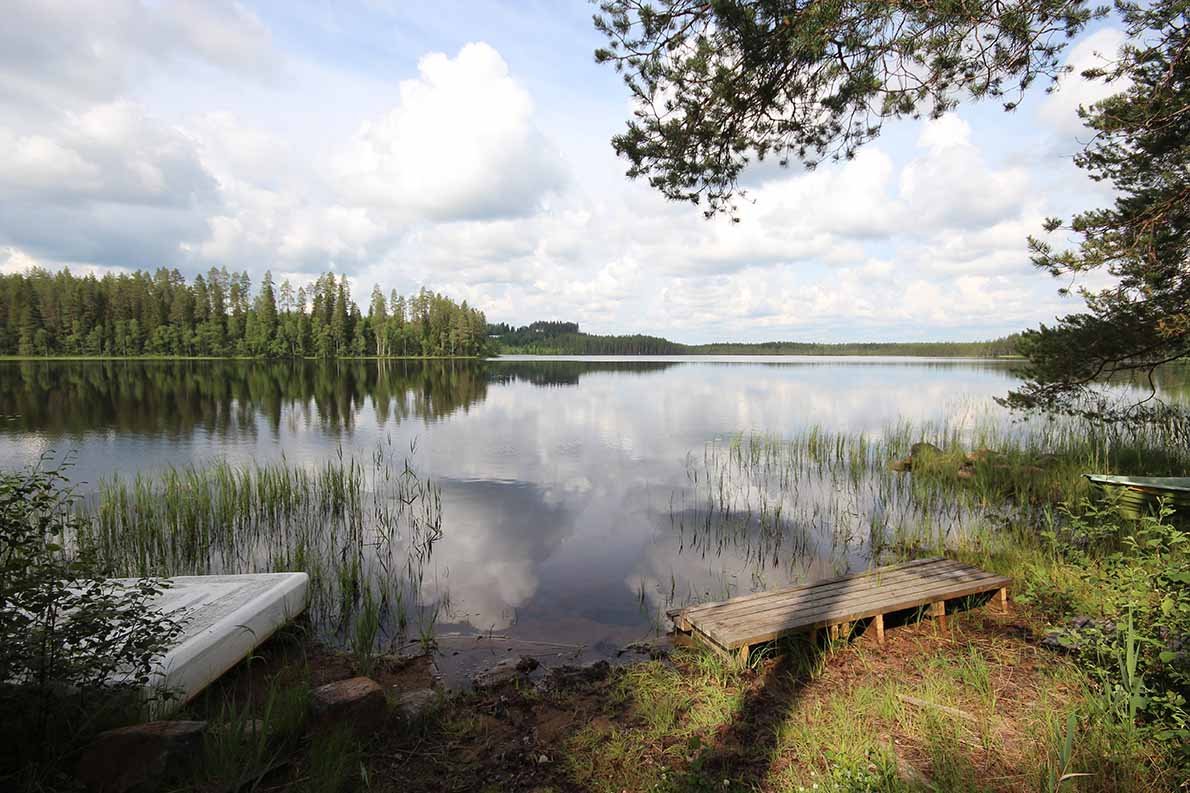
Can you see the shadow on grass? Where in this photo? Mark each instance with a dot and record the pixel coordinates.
(745, 753)
(742, 754)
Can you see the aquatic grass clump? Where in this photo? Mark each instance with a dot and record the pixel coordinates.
(781, 502)
(363, 531)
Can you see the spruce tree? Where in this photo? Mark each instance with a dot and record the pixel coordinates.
(266, 308)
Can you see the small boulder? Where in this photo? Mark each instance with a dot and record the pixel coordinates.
(140, 757)
(655, 649)
(902, 465)
(570, 676)
(980, 455)
(922, 449)
(505, 671)
(1176, 653)
(358, 701)
(415, 704)
(966, 472)
(1082, 632)
(1060, 641)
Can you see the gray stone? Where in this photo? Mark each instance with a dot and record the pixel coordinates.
(358, 701)
(569, 676)
(1059, 641)
(506, 671)
(980, 455)
(140, 757)
(415, 704)
(922, 450)
(654, 648)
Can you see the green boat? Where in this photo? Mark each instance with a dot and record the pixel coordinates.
(1138, 494)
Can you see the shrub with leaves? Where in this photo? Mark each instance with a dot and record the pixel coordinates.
(1129, 584)
(76, 649)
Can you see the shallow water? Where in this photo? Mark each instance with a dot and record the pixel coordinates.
(563, 481)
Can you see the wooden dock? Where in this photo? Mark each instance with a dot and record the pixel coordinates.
(734, 626)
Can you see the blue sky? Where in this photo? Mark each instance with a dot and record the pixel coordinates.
(464, 146)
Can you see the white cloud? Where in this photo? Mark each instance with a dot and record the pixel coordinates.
(462, 144)
(222, 32)
(87, 172)
(1060, 109)
(113, 152)
(14, 260)
(63, 53)
(99, 182)
(951, 184)
(34, 162)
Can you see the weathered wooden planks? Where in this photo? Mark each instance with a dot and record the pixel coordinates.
(734, 625)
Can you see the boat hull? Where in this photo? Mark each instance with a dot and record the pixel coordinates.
(1140, 496)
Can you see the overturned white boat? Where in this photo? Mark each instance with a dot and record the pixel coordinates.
(224, 618)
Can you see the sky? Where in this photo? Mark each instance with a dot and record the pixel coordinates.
(465, 147)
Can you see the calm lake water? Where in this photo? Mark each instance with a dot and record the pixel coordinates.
(558, 476)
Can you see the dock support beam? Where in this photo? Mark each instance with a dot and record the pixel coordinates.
(1002, 599)
(742, 655)
(938, 612)
(878, 621)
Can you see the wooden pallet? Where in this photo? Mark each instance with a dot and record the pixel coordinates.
(734, 626)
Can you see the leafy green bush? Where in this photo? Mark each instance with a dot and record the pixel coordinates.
(76, 649)
(1126, 583)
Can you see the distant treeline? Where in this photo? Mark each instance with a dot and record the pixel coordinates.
(43, 314)
(565, 338)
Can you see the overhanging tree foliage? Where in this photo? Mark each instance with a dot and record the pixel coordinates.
(1141, 147)
(719, 84)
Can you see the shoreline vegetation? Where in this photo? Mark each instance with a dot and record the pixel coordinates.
(1079, 688)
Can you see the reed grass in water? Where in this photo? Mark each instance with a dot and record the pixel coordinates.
(777, 502)
(363, 530)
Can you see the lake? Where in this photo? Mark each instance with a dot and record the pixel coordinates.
(572, 507)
